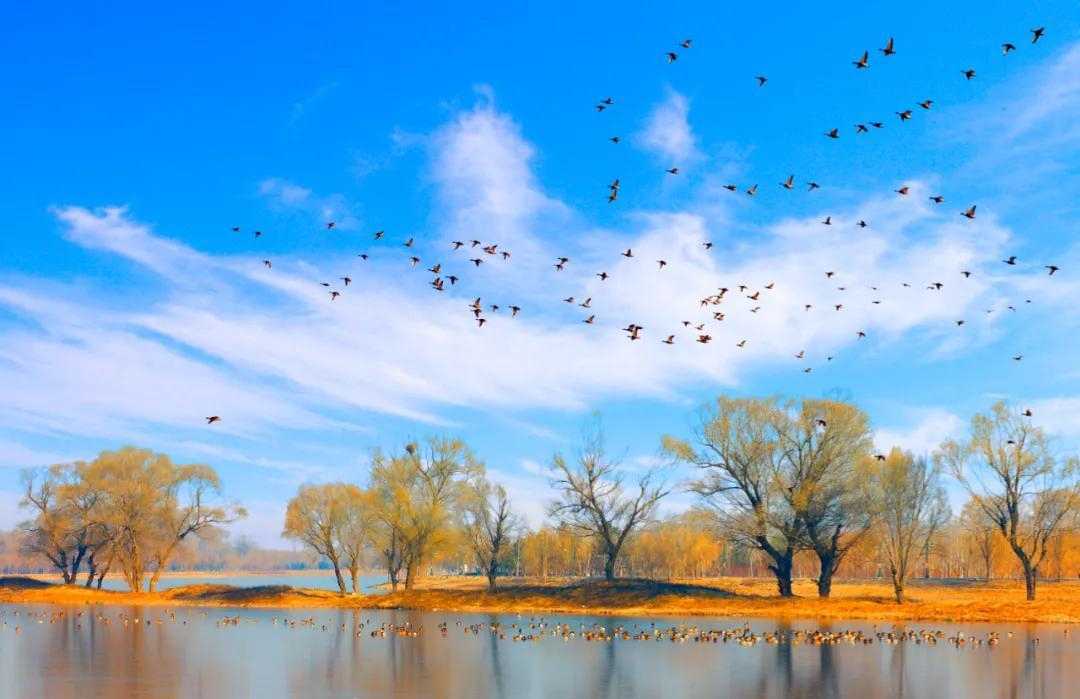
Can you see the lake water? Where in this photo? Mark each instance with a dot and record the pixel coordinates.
(318, 581)
(331, 653)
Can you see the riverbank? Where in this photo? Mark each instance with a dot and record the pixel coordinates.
(731, 597)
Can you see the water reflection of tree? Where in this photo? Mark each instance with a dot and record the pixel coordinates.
(897, 665)
(496, 661)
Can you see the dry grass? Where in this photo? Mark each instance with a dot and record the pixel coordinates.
(1004, 601)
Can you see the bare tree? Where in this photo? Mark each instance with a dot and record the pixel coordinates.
(739, 454)
(1007, 467)
(489, 525)
(315, 517)
(821, 443)
(983, 531)
(911, 505)
(391, 482)
(56, 532)
(594, 501)
(439, 470)
(185, 511)
(356, 530)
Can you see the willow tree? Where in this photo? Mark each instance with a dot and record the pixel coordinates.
(151, 505)
(418, 494)
(1009, 470)
(391, 480)
(595, 499)
(316, 517)
(59, 529)
(911, 506)
(489, 526)
(737, 450)
(820, 444)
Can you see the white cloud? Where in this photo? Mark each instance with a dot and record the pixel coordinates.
(10, 514)
(19, 456)
(284, 195)
(483, 168)
(931, 428)
(667, 131)
(1055, 93)
(1059, 416)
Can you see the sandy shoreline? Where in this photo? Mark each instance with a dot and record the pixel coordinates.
(993, 602)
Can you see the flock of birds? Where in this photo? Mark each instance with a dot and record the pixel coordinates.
(532, 630)
(472, 254)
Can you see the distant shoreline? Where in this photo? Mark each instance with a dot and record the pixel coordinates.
(728, 597)
(210, 574)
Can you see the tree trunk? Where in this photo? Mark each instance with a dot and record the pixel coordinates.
(91, 571)
(1029, 580)
(609, 565)
(898, 585)
(338, 575)
(492, 587)
(781, 568)
(355, 574)
(410, 575)
(825, 575)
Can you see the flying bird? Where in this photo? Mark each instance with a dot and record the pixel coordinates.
(1011, 260)
(212, 419)
(968, 74)
(1052, 269)
(888, 50)
(1006, 48)
(761, 80)
(863, 62)
(970, 213)
(1037, 33)
(672, 56)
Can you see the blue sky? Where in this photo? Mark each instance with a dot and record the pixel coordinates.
(136, 138)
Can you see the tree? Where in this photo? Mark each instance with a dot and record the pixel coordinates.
(489, 526)
(184, 511)
(594, 501)
(738, 453)
(417, 494)
(390, 491)
(356, 530)
(1008, 469)
(911, 505)
(316, 516)
(821, 443)
(58, 532)
(983, 533)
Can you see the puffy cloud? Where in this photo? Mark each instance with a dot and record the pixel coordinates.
(667, 131)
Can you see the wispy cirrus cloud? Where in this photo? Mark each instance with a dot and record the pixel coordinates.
(283, 195)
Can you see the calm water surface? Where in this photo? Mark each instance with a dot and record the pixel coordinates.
(330, 653)
(316, 580)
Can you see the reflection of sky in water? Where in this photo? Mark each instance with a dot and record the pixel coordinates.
(194, 656)
(317, 581)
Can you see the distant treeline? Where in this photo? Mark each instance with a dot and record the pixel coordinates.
(197, 555)
(785, 488)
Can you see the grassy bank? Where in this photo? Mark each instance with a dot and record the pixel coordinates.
(994, 602)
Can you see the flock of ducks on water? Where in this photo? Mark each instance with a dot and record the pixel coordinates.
(532, 630)
(472, 254)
